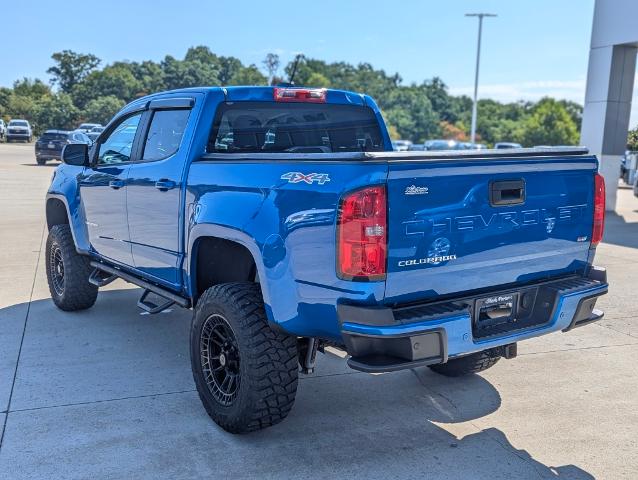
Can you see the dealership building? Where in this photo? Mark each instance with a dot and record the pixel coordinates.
(610, 82)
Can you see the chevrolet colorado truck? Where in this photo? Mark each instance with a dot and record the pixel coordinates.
(283, 218)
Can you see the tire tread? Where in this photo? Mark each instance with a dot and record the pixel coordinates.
(271, 358)
(78, 294)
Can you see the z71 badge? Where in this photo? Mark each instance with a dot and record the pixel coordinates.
(310, 178)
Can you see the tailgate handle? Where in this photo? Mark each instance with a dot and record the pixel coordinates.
(507, 192)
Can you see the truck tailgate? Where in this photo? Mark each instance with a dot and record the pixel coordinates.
(463, 224)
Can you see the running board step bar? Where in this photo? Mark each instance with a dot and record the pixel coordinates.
(99, 279)
(146, 305)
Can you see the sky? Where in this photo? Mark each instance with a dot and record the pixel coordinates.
(532, 49)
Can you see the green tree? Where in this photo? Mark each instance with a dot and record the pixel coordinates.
(271, 64)
(249, 75)
(71, 68)
(20, 106)
(228, 68)
(189, 73)
(114, 80)
(632, 140)
(55, 111)
(549, 124)
(31, 88)
(102, 109)
(201, 54)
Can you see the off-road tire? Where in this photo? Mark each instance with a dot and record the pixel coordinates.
(473, 363)
(76, 292)
(267, 360)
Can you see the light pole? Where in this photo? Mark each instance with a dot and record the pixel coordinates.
(476, 75)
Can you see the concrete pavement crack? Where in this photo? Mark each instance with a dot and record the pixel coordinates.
(107, 400)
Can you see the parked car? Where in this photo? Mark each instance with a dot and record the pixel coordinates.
(51, 143)
(401, 145)
(19, 129)
(504, 145)
(433, 145)
(629, 167)
(470, 146)
(87, 127)
(3, 130)
(636, 186)
(95, 132)
(307, 231)
(416, 147)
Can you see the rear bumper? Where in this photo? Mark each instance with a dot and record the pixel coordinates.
(48, 154)
(385, 339)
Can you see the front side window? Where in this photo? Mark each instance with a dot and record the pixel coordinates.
(117, 147)
(165, 133)
(294, 128)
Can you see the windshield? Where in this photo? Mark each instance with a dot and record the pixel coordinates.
(242, 127)
(18, 123)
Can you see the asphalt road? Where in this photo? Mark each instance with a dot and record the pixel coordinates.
(108, 393)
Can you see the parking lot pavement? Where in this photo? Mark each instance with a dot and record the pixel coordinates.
(108, 393)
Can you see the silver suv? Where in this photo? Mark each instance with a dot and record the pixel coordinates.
(19, 129)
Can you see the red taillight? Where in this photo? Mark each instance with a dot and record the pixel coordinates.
(362, 235)
(599, 209)
(315, 95)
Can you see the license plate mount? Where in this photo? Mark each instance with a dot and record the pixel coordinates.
(495, 310)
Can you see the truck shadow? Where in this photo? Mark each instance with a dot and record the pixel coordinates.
(410, 424)
(618, 231)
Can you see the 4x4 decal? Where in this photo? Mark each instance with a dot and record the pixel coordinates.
(310, 178)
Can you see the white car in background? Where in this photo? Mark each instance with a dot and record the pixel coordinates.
(19, 129)
(87, 127)
(401, 145)
(3, 130)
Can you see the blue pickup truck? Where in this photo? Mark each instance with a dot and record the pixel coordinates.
(283, 218)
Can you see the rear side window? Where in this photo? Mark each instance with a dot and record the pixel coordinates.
(242, 127)
(165, 133)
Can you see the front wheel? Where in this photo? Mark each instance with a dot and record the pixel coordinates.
(473, 363)
(244, 371)
(68, 272)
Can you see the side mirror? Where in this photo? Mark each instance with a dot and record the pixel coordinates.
(76, 154)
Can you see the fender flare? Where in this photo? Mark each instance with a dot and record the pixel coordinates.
(227, 233)
(70, 218)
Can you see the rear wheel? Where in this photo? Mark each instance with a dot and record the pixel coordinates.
(41, 161)
(245, 372)
(68, 272)
(473, 363)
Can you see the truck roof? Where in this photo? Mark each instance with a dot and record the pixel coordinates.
(262, 93)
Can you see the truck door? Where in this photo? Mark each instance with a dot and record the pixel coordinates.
(103, 191)
(154, 193)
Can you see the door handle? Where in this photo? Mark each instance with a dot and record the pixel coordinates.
(508, 192)
(164, 184)
(116, 184)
